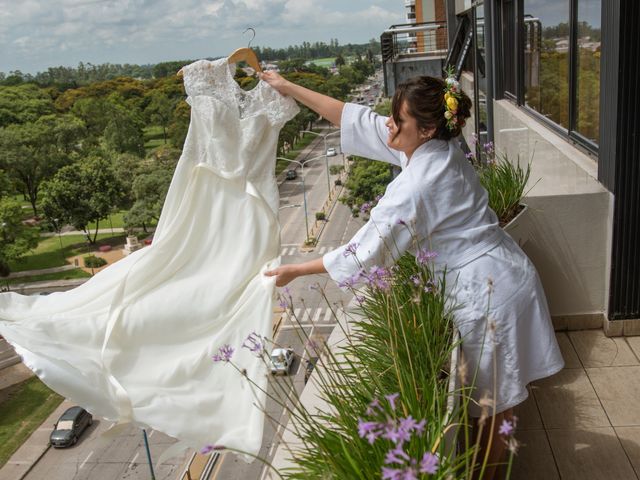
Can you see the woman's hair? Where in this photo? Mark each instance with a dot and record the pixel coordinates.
(425, 102)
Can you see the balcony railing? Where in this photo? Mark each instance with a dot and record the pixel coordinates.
(427, 39)
(409, 3)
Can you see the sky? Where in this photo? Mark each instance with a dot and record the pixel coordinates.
(37, 34)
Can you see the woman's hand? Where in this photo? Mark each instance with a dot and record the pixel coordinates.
(284, 274)
(275, 80)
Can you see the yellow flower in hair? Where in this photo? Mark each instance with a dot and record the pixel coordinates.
(447, 96)
(452, 103)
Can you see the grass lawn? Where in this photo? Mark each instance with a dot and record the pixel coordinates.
(153, 137)
(66, 275)
(22, 410)
(322, 62)
(48, 254)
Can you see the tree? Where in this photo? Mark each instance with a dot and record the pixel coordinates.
(180, 124)
(124, 131)
(16, 239)
(149, 190)
(82, 193)
(339, 61)
(160, 111)
(34, 151)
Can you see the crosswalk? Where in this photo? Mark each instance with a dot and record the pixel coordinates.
(311, 316)
(295, 250)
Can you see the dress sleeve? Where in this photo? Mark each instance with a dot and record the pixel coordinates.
(382, 240)
(364, 133)
(280, 108)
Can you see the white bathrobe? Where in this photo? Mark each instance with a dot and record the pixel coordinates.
(438, 200)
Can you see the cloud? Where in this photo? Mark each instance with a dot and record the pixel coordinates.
(35, 33)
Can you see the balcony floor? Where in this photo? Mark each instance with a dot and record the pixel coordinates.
(584, 422)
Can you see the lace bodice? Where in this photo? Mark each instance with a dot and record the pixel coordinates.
(215, 79)
(234, 132)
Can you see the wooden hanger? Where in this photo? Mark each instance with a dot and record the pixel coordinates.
(244, 54)
(247, 55)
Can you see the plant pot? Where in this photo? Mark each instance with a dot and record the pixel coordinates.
(519, 228)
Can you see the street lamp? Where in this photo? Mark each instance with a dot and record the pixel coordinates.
(324, 138)
(304, 191)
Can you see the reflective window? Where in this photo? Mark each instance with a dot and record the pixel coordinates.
(546, 58)
(480, 77)
(588, 71)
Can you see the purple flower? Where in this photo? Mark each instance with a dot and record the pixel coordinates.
(416, 280)
(287, 291)
(255, 343)
(399, 474)
(424, 256)
(366, 206)
(360, 299)
(507, 428)
(369, 430)
(210, 448)
(350, 249)
(224, 354)
(429, 463)
(397, 455)
(392, 399)
(401, 222)
(283, 302)
(348, 283)
(378, 278)
(375, 404)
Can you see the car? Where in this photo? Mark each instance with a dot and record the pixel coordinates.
(291, 175)
(311, 363)
(331, 152)
(281, 360)
(70, 426)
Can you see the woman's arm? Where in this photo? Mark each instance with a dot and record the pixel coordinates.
(286, 273)
(323, 105)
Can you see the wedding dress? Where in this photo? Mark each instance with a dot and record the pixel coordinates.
(135, 342)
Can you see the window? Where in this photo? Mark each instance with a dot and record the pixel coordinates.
(508, 43)
(550, 51)
(480, 77)
(588, 70)
(546, 58)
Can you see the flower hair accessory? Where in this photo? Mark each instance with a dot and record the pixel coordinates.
(452, 95)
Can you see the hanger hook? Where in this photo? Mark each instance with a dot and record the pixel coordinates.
(254, 35)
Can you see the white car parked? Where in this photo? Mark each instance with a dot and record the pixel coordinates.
(281, 360)
(331, 152)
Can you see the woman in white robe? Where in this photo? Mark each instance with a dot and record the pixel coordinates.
(439, 195)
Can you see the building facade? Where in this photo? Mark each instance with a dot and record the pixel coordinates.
(551, 84)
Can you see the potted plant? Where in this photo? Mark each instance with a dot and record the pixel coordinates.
(505, 182)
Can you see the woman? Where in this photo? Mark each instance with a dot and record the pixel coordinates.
(503, 316)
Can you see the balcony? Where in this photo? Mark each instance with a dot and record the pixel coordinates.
(412, 49)
(409, 3)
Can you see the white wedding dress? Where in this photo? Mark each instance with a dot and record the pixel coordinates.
(134, 343)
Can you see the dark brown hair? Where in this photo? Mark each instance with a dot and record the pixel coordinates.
(425, 102)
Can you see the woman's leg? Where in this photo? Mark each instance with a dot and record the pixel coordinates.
(493, 447)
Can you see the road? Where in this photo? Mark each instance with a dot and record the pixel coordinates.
(314, 300)
(97, 458)
(311, 314)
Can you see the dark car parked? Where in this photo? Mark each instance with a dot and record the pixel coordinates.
(70, 426)
(291, 175)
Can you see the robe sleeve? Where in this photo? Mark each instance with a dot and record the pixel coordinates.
(382, 240)
(363, 132)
